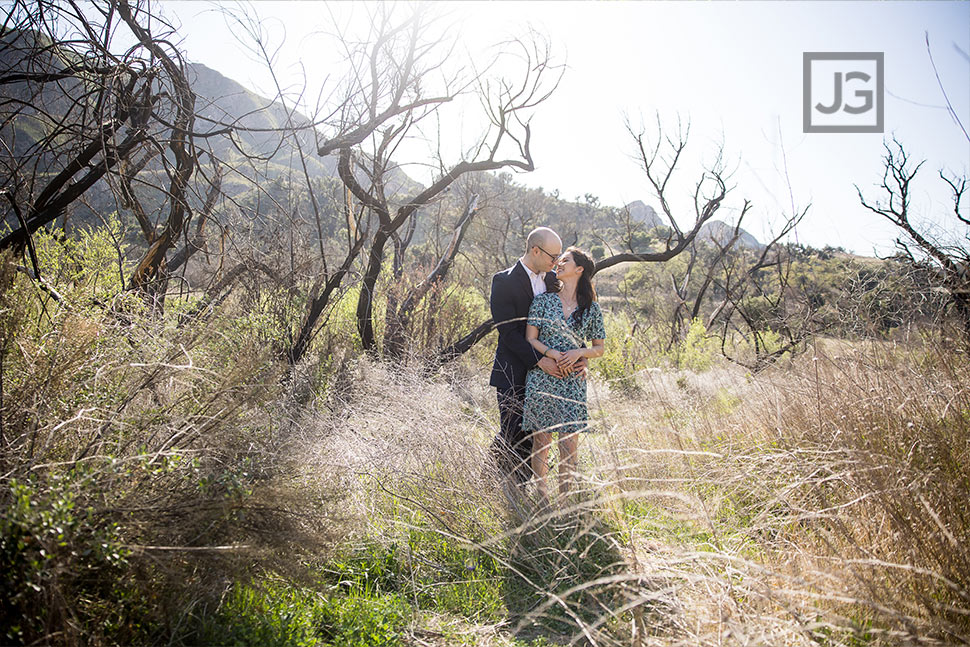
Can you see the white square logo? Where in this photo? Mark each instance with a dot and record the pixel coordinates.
(842, 92)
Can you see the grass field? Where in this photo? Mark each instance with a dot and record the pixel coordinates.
(821, 502)
(166, 482)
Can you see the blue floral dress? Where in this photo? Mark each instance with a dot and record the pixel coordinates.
(554, 404)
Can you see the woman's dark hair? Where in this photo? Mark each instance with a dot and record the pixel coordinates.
(585, 292)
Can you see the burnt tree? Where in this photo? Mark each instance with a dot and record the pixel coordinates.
(83, 115)
(949, 257)
(404, 82)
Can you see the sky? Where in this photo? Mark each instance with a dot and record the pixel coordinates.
(734, 71)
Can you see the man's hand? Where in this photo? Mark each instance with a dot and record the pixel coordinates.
(549, 365)
(580, 367)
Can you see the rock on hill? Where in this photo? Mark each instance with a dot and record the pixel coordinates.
(644, 213)
(712, 230)
(721, 232)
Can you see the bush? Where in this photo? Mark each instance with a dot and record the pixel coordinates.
(275, 613)
(51, 549)
(125, 430)
(618, 364)
(697, 351)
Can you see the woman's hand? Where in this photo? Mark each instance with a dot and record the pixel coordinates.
(567, 359)
(579, 368)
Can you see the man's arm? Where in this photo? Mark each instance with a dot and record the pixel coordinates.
(503, 314)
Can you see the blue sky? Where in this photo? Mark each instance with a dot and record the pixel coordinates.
(734, 70)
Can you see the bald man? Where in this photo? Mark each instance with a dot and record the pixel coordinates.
(512, 292)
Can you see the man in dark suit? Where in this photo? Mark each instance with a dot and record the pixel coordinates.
(512, 292)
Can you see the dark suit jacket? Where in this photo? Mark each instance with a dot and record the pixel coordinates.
(509, 301)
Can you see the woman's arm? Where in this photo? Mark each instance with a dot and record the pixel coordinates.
(595, 331)
(532, 336)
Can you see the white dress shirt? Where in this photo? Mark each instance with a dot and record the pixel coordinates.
(538, 280)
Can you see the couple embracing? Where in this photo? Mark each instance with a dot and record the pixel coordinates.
(549, 324)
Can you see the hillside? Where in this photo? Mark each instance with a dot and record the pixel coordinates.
(260, 155)
(260, 146)
(221, 101)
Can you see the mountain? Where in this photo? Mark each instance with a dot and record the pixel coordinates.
(721, 232)
(644, 213)
(222, 101)
(712, 230)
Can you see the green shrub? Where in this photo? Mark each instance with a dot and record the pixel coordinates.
(437, 572)
(277, 614)
(365, 622)
(273, 615)
(697, 351)
(55, 552)
(123, 428)
(370, 570)
(88, 267)
(618, 365)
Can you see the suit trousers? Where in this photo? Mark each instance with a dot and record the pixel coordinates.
(512, 447)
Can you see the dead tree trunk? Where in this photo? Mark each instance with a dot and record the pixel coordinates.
(395, 335)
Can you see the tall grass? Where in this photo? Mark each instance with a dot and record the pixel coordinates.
(827, 495)
(162, 484)
(820, 501)
(143, 458)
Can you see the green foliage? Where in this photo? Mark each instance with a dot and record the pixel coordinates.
(640, 242)
(759, 344)
(463, 581)
(53, 545)
(531, 574)
(366, 622)
(369, 570)
(436, 572)
(342, 321)
(374, 590)
(277, 614)
(88, 267)
(267, 320)
(102, 404)
(697, 351)
(274, 615)
(771, 342)
(618, 364)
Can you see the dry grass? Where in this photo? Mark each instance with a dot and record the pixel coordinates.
(824, 501)
(141, 465)
(148, 470)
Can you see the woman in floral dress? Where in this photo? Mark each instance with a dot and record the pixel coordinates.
(559, 325)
